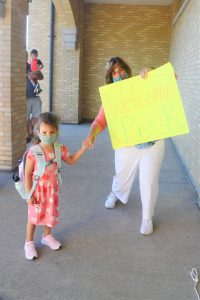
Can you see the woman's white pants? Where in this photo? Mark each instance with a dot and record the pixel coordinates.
(130, 160)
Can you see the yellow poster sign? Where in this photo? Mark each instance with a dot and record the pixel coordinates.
(141, 110)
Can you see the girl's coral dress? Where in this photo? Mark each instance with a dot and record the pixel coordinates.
(46, 210)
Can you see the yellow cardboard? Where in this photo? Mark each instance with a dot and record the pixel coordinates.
(141, 110)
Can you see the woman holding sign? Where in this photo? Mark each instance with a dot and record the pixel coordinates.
(145, 158)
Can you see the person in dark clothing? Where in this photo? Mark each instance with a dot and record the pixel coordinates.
(28, 68)
(34, 103)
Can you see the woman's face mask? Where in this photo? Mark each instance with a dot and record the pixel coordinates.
(119, 74)
(48, 140)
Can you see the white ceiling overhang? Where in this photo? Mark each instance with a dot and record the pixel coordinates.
(131, 2)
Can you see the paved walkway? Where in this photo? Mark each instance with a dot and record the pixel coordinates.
(103, 256)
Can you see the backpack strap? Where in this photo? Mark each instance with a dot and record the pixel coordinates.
(42, 164)
(57, 148)
(41, 167)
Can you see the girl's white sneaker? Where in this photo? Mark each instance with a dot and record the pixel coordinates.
(30, 251)
(50, 241)
(146, 227)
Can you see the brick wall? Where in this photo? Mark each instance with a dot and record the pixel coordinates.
(185, 56)
(139, 34)
(12, 83)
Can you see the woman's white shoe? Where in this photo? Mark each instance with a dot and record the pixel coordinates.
(111, 200)
(146, 227)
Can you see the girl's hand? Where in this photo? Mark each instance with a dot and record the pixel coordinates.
(144, 73)
(83, 147)
(31, 201)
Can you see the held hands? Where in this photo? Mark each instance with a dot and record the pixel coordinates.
(83, 147)
(88, 142)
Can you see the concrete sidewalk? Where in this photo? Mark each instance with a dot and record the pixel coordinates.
(103, 255)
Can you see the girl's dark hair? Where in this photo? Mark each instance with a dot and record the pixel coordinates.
(34, 51)
(111, 64)
(47, 118)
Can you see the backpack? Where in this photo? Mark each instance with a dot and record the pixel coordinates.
(41, 167)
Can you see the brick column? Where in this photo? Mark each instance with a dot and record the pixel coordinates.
(12, 83)
(67, 85)
(175, 8)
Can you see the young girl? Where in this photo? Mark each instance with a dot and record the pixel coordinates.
(43, 206)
